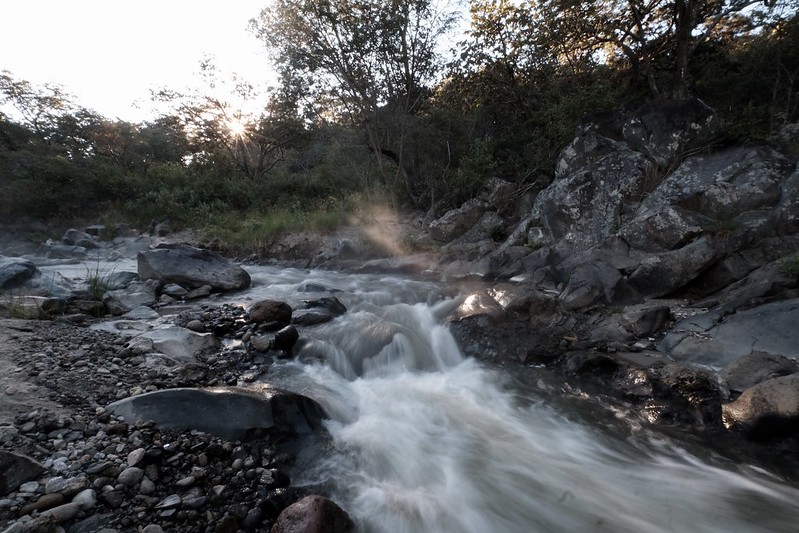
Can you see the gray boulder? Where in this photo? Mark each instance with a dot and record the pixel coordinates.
(587, 147)
(662, 274)
(313, 514)
(76, 237)
(590, 284)
(757, 367)
(663, 130)
(226, 412)
(191, 268)
(458, 221)
(582, 209)
(665, 229)
(15, 271)
(768, 409)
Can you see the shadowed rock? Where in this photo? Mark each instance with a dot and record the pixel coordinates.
(226, 412)
(16, 469)
(192, 268)
(313, 514)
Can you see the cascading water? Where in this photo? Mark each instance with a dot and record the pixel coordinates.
(428, 441)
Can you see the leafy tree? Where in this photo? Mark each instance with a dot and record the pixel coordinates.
(219, 131)
(368, 62)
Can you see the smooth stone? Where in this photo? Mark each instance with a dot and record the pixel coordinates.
(147, 487)
(170, 502)
(86, 498)
(136, 456)
(130, 476)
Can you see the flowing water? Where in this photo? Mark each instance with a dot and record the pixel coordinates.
(426, 440)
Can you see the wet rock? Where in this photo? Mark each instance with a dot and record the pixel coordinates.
(262, 343)
(16, 469)
(174, 290)
(191, 267)
(196, 325)
(229, 413)
(314, 514)
(199, 292)
(310, 317)
(766, 410)
(756, 367)
(330, 304)
(286, 338)
(270, 311)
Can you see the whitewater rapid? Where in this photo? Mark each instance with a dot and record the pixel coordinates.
(426, 440)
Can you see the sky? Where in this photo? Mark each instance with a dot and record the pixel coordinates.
(110, 53)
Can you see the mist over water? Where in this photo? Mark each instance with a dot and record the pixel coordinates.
(428, 441)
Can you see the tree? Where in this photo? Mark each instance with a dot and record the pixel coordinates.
(221, 131)
(644, 32)
(370, 62)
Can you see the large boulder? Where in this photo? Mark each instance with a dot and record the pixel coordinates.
(229, 413)
(458, 221)
(270, 312)
(191, 267)
(15, 271)
(590, 284)
(663, 130)
(586, 148)
(768, 409)
(583, 209)
(313, 514)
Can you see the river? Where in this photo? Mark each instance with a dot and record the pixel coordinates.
(427, 440)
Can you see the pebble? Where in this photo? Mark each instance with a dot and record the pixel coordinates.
(152, 528)
(185, 482)
(147, 487)
(130, 476)
(136, 456)
(86, 498)
(30, 486)
(170, 502)
(45, 502)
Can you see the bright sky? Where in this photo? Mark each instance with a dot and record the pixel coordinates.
(110, 53)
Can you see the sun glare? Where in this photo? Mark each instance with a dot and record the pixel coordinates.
(236, 127)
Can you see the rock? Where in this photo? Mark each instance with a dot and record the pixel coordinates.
(136, 456)
(170, 502)
(195, 325)
(286, 338)
(582, 209)
(266, 311)
(328, 303)
(131, 476)
(458, 221)
(313, 514)
(634, 322)
(715, 339)
(86, 498)
(587, 147)
(192, 268)
(590, 284)
(262, 343)
(63, 251)
(664, 229)
(310, 317)
(139, 293)
(66, 486)
(489, 227)
(687, 396)
(152, 528)
(766, 410)
(228, 413)
(756, 367)
(663, 274)
(15, 271)
(118, 280)
(178, 343)
(16, 469)
(141, 312)
(199, 292)
(47, 501)
(174, 290)
(75, 237)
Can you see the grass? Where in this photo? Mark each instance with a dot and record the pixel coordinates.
(23, 307)
(790, 265)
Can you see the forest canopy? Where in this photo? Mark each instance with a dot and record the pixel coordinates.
(382, 101)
